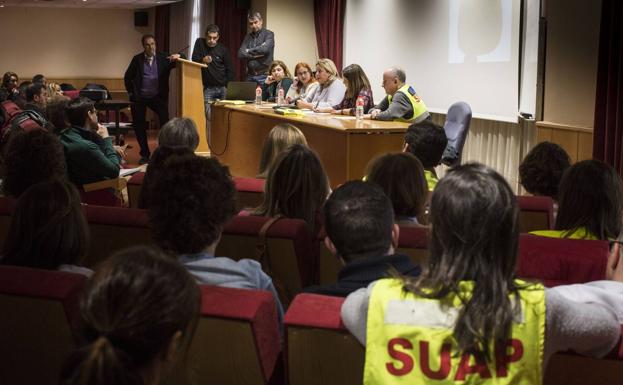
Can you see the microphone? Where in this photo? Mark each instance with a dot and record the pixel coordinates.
(183, 49)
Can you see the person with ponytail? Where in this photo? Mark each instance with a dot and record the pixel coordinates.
(467, 319)
(138, 311)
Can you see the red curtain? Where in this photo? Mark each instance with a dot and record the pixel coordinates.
(232, 21)
(329, 21)
(608, 132)
(161, 28)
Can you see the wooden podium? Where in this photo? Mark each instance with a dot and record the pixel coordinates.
(190, 99)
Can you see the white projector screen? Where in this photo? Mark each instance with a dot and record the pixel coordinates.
(451, 50)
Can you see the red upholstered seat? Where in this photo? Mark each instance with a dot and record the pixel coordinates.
(237, 339)
(292, 254)
(319, 350)
(73, 94)
(134, 188)
(535, 213)
(558, 261)
(250, 192)
(113, 229)
(105, 197)
(38, 308)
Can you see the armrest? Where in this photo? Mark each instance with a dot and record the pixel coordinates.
(117, 184)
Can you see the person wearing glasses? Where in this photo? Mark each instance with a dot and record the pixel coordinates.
(304, 83)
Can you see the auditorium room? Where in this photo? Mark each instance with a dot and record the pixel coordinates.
(311, 192)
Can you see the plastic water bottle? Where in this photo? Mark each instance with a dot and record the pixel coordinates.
(359, 109)
(258, 96)
(281, 96)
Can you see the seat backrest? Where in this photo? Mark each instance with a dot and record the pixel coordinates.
(7, 206)
(134, 188)
(535, 213)
(412, 241)
(237, 339)
(291, 257)
(457, 123)
(319, 349)
(38, 309)
(556, 261)
(113, 229)
(249, 192)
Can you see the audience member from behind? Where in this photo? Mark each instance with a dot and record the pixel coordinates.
(357, 87)
(297, 187)
(279, 138)
(402, 103)
(36, 98)
(541, 170)
(279, 78)
(89, 151)
(137, 316)
(48, 229)
(331, 88)
(464, 306)
(401, 176)
(179, 132)
(156, 164)
(590, 202)
(190, 202)
(304, 83)
(56, 111)
(427, 141)
(40, 79)
(20, 97)
(29, 158)
(361, 232)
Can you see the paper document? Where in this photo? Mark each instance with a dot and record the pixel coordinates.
(129, 171)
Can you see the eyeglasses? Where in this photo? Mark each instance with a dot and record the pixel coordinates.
(302, 73)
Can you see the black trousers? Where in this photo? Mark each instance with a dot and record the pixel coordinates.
(139, 107)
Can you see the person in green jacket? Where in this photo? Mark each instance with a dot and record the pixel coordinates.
(89, 150)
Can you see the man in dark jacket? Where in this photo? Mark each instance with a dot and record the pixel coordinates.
(257, 49)
(147, 83)
(359, 220)
(220, 68)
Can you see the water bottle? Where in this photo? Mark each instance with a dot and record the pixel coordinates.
(258, 96)
(359, 109)
(280, 96)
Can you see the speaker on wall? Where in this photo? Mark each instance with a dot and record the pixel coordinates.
(141, 19)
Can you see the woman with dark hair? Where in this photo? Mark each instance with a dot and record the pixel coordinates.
(279, 138)
(590, 203)
(279, 78)
(9, 82)
(401, 176)
(138, 311)
(56, 111)
(48, 229)
(541, 170)
(29, 158)
(297, 187)
(467, 308)
(179, 132)
(357, 87)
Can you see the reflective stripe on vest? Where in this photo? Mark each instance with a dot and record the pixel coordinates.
(410, 340)
(416, 103)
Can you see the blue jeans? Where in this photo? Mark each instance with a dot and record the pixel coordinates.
(260, 79)
(210, 94)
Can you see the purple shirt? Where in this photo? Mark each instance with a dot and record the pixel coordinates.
(149, 85)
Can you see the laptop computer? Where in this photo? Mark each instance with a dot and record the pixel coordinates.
(241, 91)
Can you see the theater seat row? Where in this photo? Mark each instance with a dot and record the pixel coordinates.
(237, 340)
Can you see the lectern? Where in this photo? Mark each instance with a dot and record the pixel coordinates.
(190, 99)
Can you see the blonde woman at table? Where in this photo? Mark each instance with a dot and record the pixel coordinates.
(357, 86)
(331, 90)
(304, 83)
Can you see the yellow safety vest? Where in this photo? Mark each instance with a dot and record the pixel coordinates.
(431, 180)
(418, 105)
(410, 340)
(579, 233)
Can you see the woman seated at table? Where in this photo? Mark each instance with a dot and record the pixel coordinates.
(357, 86)
(279, 77)
(331, 90)
(304, 83)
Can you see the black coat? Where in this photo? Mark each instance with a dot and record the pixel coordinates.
(133, 77)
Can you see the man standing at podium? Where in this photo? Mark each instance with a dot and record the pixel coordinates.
(220, 68)
(257, 49)
(147, 83)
